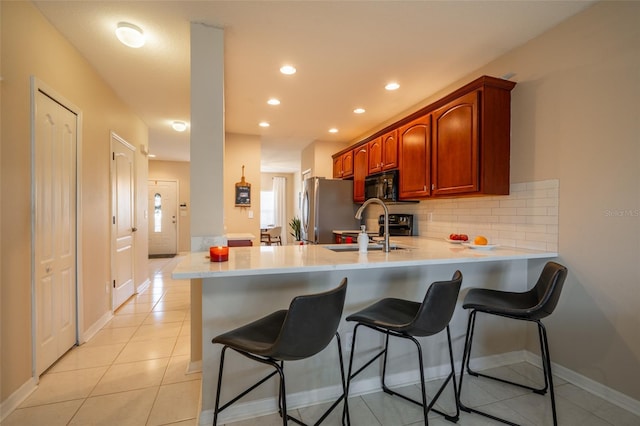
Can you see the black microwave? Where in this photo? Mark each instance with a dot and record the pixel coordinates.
(382, 185)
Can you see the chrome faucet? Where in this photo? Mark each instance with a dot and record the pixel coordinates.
(386, 218)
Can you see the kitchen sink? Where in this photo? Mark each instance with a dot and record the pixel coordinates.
(354, 247)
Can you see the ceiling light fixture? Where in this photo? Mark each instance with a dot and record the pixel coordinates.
(179, 126)
(392, 86)
(264, 124)
(333, 130)
(273, 101)
(130, 35)
(288, 69)
(359, 110)
(152, 156)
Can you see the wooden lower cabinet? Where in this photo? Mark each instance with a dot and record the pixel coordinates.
(414, 147)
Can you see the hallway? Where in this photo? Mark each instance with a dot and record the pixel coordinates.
(133, 373)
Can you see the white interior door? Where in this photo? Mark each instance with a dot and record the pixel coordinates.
(123, 220)
(54, 230)
(163, 205)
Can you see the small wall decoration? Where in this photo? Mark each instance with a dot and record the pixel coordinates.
(243, 192)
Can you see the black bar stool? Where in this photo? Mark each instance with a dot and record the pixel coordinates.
(532, 305)
(300, 332)
(408, 320)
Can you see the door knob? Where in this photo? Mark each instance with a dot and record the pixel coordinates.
(134, 229)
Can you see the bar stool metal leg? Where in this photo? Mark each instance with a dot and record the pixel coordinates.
(384, 352)
(546, 369)
(302, 331)
(407, 319)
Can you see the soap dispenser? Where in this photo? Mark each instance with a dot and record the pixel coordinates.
(363, 240)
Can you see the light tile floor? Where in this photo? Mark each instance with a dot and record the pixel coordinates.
(133, 372)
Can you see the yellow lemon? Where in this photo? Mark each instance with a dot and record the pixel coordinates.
(480, 241)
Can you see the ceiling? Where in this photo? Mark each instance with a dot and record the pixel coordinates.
(345, 53)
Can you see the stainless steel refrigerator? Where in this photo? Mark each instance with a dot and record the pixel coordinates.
(327, 205)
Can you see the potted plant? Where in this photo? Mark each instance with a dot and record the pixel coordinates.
(296, 227)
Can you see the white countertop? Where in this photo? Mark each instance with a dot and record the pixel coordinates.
(260, 260)
(353, 231)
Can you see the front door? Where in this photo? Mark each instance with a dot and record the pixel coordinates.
(163, 205)
(123, 220)
(54, 188)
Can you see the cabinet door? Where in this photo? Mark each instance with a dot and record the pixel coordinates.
(360, 170)
(347, 164)
(455, 146)
(337, 167)
(375, 156)
(414, 148)
(389, 144)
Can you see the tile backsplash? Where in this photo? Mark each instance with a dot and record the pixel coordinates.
(526, 218)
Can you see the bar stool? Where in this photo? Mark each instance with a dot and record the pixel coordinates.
(532, 305)
(301, 331)
(408, 320)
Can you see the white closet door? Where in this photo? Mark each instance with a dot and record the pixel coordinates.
(55, 230)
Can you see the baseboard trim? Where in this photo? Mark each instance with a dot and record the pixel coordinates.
(142, 287)
(589, 385)
(263, 407)
(15, 399)
(194, 367)
(95, 327)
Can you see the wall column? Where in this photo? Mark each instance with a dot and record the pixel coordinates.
(207, 159)
(207, 136)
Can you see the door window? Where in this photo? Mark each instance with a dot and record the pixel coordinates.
(157, 213)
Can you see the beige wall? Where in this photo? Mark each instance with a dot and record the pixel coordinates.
(576, 118)
(31, 46)
(180, 172)
(242, 150)
(317, 157)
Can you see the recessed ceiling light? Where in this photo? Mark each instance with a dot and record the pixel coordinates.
(273, 101)
(288, 69)
(179, 126)
(264, 124)
(130, 35)
(333, 130)
(392, 86)
(152, 156)
(359, 110)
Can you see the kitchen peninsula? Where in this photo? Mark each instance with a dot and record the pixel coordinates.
(259, 280)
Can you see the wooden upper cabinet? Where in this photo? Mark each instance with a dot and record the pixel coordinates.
(454, 151)
(375, 156)
(347, 164)
(383, 152)
(472, 140)
(343, 165)
(456, 146)
(360, 171)
(414, 149)
(390, 150)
